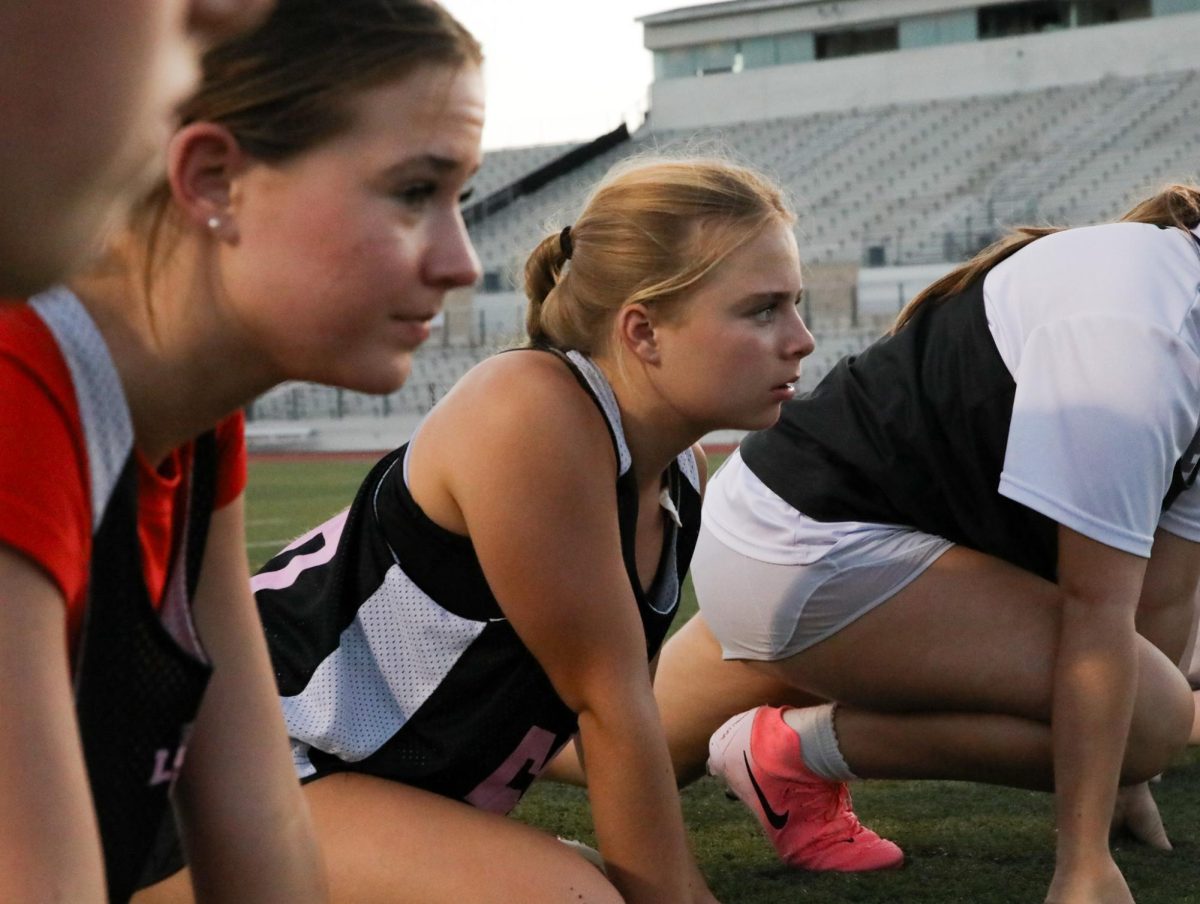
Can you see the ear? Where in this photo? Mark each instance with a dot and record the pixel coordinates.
(202, 160)
(635, 332)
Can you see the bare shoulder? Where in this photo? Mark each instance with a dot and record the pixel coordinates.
(525, 397)
(526, 372)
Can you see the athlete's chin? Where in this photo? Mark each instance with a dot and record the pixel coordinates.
(375, 378)
(761, 419)
(392, 376)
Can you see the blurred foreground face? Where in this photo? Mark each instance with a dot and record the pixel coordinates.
(87, 93)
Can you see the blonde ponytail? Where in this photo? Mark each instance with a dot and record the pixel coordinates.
(651, 232)
(542, 272)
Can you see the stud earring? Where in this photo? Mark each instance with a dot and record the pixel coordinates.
(214, 223)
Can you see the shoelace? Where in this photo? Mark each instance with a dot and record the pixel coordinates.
(839, 805)
(831, 799)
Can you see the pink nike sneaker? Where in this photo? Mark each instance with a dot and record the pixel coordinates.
(808, 819)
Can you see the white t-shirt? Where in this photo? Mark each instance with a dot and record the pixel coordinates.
(1100, 329)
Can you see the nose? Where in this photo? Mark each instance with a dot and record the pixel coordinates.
(452, 261)
(800, 342)
(213, 20)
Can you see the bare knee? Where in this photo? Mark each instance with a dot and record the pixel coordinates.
(384, 841)
(697, 689)
(1162, 719)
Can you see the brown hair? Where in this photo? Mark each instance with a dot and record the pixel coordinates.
(651, 231)
(283, 87)
(1175, 205)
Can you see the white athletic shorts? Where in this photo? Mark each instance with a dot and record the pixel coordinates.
(771, 581)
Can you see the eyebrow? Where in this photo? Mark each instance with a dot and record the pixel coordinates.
(433, 161)
(774, 297)
(441, 164)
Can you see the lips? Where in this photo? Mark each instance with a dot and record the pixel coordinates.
(781, 392)
(412, 330)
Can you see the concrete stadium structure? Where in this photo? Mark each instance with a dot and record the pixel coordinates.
(752, 60)
(909, 132)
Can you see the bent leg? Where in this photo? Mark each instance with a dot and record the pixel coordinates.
(386, 843)
(697, 690)
(952, 678)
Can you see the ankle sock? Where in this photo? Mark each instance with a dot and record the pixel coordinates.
(818, 741)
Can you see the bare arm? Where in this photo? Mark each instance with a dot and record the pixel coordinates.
(1165, 617)
(544, 524)
(1094, 684)
(568, 766)
(244, 821)
(49, 840)
(1166, 608)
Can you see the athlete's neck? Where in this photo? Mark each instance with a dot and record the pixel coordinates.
(182, 365)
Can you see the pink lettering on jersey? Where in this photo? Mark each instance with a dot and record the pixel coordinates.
(167, 763)
(501, 791)
(277, 580)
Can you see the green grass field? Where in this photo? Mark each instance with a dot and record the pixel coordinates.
(965, 843)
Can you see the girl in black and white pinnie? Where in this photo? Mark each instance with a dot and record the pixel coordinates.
(501, 581)
(978, 539)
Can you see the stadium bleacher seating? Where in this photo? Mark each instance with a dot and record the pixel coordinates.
(928, 178)
(435, 370)
(901, 184)
(505, 165)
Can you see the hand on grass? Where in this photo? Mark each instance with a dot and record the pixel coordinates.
(1137, 813)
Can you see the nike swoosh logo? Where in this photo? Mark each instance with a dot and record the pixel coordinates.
(777, 820)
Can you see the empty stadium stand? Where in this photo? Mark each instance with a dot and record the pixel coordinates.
(922, 182)
(900, 184)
